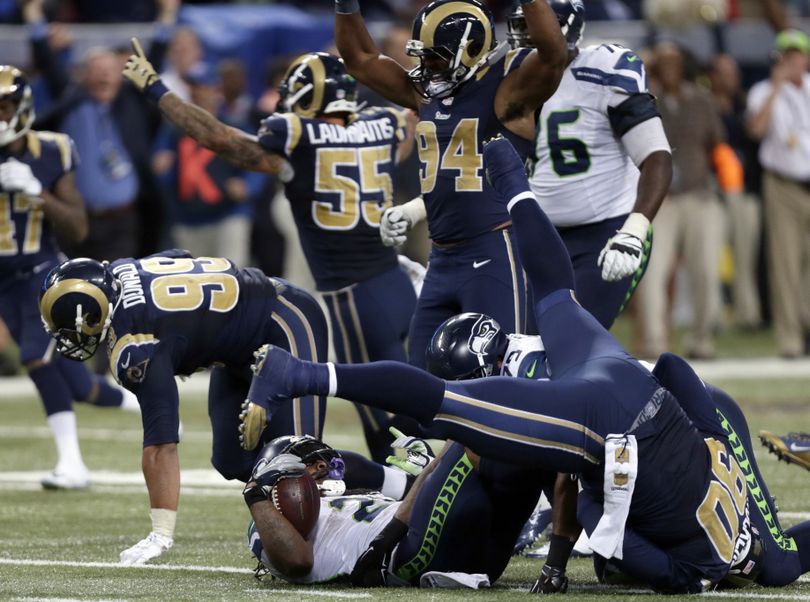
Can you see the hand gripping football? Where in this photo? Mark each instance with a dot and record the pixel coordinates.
(299, 501)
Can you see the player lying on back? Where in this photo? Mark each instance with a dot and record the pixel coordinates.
(671, 492)
(172, 314)
(336, 163)
(374, 540)
(467, 87)
(38, 196)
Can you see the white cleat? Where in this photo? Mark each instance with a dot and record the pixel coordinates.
(64, 479)
(150, 547)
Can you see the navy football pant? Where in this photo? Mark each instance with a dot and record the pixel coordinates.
(605, 300)
(297, 324)
(483, 275)
(370, 322)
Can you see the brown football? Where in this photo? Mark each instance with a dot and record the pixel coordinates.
(299, 501)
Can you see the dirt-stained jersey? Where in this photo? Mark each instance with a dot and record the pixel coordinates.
(339, 185)
(26, 239)
(460, 202)
(582, 173)
(346, 525)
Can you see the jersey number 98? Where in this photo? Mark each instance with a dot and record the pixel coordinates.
(184, 281)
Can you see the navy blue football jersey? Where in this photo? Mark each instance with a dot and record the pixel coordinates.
(26, 239)
(341, 182)
(197, 311)
(460, 202)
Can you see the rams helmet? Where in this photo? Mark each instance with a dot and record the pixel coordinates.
(570, 15)
(317, 84)
(453, 40)
(468, 345)
(77, 302)
(14, 86)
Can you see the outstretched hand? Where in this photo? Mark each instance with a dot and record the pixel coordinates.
(138, 69)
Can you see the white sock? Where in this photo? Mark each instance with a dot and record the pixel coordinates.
(394, 483)
(63, 426)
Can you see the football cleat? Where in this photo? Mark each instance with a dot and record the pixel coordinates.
(532, 531)
(64, 479)
(151, 546)
(552, 580)
(793, 447)
(252, 420)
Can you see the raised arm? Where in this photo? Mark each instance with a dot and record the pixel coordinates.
(523, 91)
(365, 61)
(232, 144)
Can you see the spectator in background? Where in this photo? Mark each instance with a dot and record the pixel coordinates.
(779, 115)
(185, 51)
(744, 209)
(690, 223)
(237, 104)
(210, 209)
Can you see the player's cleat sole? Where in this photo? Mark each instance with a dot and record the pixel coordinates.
(793, 448)
(252, 421)
(66, 481)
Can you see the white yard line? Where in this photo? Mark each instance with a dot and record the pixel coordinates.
(115, 565)
(309, 592)
(68, 600)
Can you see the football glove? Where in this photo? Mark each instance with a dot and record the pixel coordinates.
(623, 253)
(418, 453)
(142, 74)
(18, 177)
(552, 580)
(152, 546)
(396, 221)
(371, 567)
(267, 473)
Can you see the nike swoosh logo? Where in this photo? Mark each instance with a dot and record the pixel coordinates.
(478, 264)
(632, 58)
(125, 364)
(799, 448)
(530, 371)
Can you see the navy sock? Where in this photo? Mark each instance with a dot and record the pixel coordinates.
(52, 388)
(90, 388)
(108, 396)
(362, 473)
(391, 386)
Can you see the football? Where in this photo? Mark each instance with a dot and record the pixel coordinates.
(299, 501)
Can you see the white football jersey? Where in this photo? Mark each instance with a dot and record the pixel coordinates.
(582, 173)
(525, 357)
(346, 525)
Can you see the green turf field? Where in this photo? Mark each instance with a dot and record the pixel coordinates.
(62, 545)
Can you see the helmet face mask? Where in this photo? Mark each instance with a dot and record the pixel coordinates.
(312, 451)
(570, 15)
(77, 303)
(14, 87)
(317, 84)
(452, 40)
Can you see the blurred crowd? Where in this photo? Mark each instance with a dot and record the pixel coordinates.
(730, 248)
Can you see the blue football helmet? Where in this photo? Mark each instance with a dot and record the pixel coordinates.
(14, 86)
(468, 345)
(77, 301)
(316, 84)
(309, 449)
(453, 40)
(570, 14)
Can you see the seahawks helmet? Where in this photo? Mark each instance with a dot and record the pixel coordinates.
(310, 449)
(77, 302)
(459, 35)
(570, 15)
(468, 345)
(318, 84)
(14, 86)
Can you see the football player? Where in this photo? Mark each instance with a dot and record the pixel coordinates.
(337, 164)
(172, 314)
(467, 87)
(37, 196)
(601, 164)
(671, 491)
(375, 540)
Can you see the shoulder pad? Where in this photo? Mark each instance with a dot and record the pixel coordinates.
(514, 58)
(60, 145)
(613, 66)
(130, 356)
(280, 133)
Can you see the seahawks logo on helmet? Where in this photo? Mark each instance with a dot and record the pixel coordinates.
(570, 15)
(318, 84)
(77, 302)
(14, 86)
(453, 40)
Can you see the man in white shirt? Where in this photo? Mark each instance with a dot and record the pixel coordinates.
(779, 115)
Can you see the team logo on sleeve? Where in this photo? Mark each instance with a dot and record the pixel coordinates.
(135, 374)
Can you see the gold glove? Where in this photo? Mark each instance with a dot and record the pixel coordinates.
(138, 69)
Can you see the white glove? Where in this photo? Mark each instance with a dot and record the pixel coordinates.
(418, 453)
(623, 253)
(394, 227)
(152, 546)
(18, 177)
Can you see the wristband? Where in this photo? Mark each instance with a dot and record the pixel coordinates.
(155, 91)
(636, 225)
(254, 495)
(347, 7)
